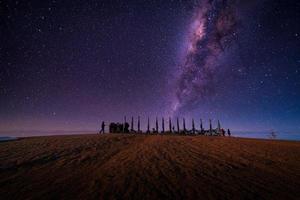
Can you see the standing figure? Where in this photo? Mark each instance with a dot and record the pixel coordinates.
(102, 127)
(228, 132)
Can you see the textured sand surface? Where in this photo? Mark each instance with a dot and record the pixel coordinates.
(149, 167)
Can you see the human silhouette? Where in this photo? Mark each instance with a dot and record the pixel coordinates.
(102, 127)
(228, 132)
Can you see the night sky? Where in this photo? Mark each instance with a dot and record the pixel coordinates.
(68, 65)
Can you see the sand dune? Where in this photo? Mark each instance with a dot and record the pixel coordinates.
(149, 167)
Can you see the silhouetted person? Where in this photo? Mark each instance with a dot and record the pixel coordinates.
(228, 132)
(102, 127)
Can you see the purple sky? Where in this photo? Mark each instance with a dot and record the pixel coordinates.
(68, 65)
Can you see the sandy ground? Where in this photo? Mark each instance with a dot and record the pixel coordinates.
(149, 167)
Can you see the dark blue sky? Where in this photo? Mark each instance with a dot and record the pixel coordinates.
(67, 65)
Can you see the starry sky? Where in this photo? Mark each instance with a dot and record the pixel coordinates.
(68, 65)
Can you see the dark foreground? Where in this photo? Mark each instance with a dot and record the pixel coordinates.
(149, 167)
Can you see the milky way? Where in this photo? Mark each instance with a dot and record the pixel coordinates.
(69, 65)
(212, 31)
